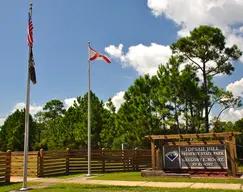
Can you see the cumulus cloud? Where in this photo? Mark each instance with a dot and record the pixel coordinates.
(117, 100)
(232, 115)
(114, 51)
(36, 108)
(190, 14)
(236, 88)
(33, 108)
(144, 59)
(69, 102)
(2, 119)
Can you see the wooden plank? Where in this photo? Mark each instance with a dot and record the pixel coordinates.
(54, 163)
(192, 136)
(153, 155)
(22, 154)
(54, 168)
(53, 172)
(3, 174)
(186, 143)
(3, 153)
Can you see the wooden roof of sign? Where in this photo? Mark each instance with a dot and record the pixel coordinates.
(192, 136)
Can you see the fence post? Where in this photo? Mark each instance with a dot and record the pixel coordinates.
(67, 161)
(123, 160)
(136, 160)
(41, 164)
(8, 167)
(103, 160)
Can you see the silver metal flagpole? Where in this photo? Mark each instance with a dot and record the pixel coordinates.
(89, 126)
(26, 138)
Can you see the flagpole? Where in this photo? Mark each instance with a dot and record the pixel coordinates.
(26, 138)
(89, 126)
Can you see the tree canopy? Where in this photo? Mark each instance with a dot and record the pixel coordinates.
(178, 99)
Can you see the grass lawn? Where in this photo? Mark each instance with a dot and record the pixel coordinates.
(136, 176)
(241, 168)
(105, 188)
(13, 186)
(66, 176)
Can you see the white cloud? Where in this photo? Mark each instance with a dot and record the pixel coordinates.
(69, 102)
(236, 88)
(232, 115)
(190, 14)
(117, 100)
(2, 119)
(144, 59)
(36, 108)
(33, 108)
(114, 51)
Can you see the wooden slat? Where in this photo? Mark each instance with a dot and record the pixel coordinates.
(54, 162)
(192, 136)
(54, 168)
(186, 143)
(50, 172)
(17, 163)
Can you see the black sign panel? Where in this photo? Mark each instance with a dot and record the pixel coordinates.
(172, 157)
(195, 157)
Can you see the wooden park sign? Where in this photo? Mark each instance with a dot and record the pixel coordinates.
(186, 152)
(195, 157)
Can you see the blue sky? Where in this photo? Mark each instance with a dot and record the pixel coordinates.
(61, 31)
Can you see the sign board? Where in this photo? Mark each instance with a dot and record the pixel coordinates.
(195, 157)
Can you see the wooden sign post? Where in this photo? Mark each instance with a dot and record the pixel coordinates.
(207, 151)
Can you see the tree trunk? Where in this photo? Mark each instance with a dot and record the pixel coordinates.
(186, 115)
(177, 118)
(206, 100)
(193, 124)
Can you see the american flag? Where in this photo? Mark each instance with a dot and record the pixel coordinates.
(30, 31)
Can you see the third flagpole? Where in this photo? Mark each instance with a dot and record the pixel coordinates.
(26, 138)
(89, 125)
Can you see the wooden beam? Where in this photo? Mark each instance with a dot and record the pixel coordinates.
(158, 159)
(188, 143)
(153, 155)
(192, 136)
(233, 156)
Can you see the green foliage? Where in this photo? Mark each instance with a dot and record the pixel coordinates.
(12, 132)
(205, 50)
(175, 100)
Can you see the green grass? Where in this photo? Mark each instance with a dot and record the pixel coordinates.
(13, 186)
(66, 176)
(241, 168)
(136, 176)
(106, 188)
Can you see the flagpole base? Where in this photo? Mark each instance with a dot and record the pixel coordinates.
(88, 175)
(24, 189)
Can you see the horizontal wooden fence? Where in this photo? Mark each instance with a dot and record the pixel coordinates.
(5, 166)
(76, 161)
(63, 162)
(17, 163)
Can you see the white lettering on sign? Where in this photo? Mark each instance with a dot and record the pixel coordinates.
(202, 149)
(198, 157)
